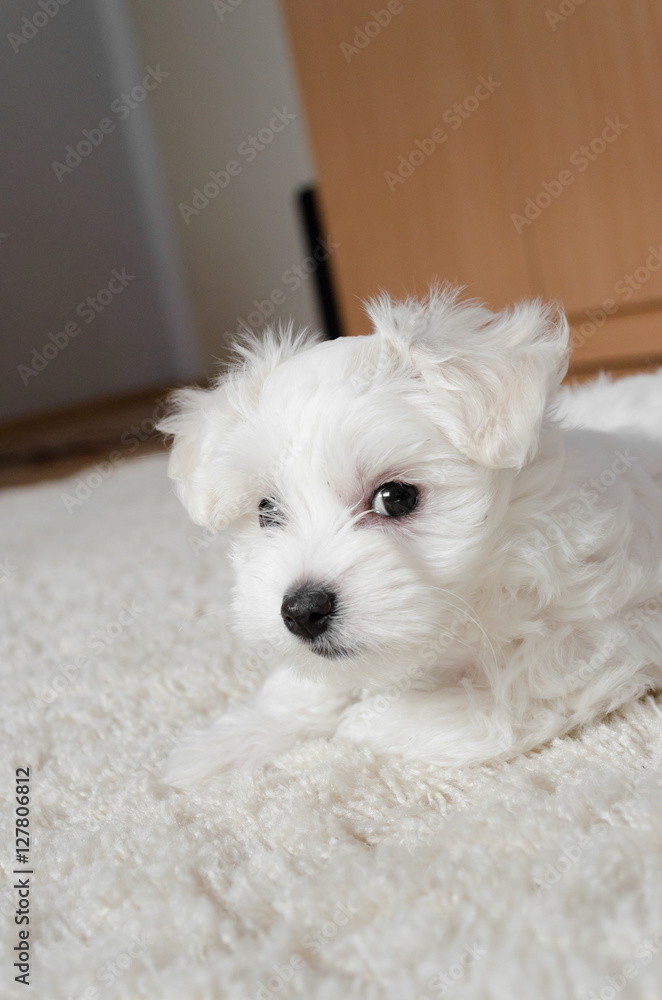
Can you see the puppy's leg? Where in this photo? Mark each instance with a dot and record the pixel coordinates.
(455, 725)
(283, 712)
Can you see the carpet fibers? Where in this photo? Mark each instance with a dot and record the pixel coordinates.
(333, 874)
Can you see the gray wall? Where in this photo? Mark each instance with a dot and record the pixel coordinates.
(229, 67)
(66, 230)
(225, 72)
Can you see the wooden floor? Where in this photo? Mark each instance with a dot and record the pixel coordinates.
(60, 444)
(57, 445)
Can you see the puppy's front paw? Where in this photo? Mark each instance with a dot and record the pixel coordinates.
(240, 740)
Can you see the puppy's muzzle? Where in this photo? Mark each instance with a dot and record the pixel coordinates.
(307, 612)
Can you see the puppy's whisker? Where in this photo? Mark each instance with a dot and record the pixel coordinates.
(471, 618)
(207, 614)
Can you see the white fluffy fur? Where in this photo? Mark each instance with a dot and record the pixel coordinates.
(521, 599)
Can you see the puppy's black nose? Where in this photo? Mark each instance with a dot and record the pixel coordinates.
(308, 611)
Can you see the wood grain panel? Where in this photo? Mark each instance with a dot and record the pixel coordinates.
(375, 92)
(368, 109)
(591, 105)
(621, 340)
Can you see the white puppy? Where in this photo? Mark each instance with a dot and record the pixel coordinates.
(449, 568)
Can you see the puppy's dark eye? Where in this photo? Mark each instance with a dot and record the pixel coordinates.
(395, 499)
(271, 515)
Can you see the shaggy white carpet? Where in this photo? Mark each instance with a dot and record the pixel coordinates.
(334, 875)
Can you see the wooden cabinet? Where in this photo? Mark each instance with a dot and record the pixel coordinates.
(514, 147)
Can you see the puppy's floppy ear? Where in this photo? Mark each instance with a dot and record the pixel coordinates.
(199, 421)
(208, 479)
(489, 376)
